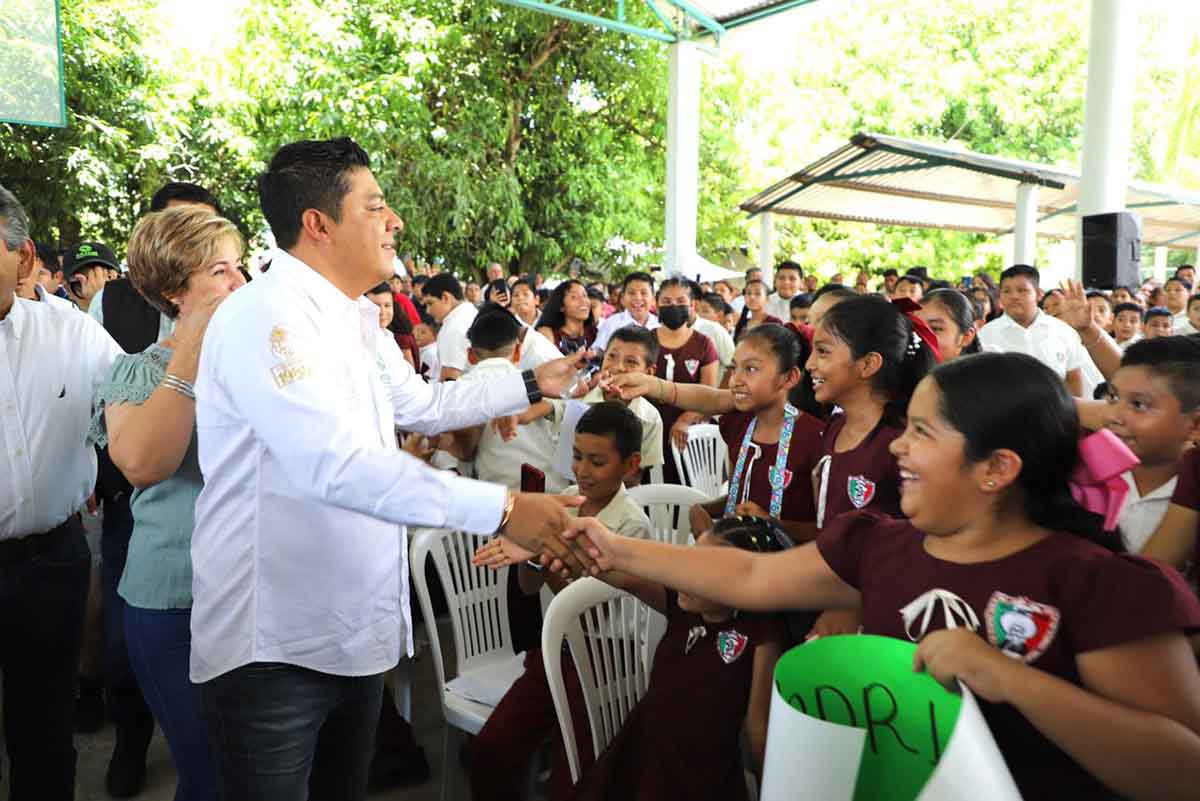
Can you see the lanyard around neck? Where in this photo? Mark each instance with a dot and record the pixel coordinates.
(777, 474)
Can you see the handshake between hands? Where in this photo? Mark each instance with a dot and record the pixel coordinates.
(540, 529)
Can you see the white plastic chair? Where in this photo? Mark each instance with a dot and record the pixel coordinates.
(613, 637)
(667, 507)
(704, 464)
(477, 598)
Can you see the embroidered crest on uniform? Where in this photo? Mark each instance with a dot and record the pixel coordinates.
(692, 365)
(1020, 627)
(782, 482)
(290, 368)
(731, 644)
(861, 491)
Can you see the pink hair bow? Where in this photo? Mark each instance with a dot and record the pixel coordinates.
(1096, 483)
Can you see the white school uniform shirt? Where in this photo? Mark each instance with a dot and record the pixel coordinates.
(1180, 324)
(299, 553)
(452, 342)
(52, 361)
(778, 306)
(1186, 329)
(1124, 346)
(500, 462)
(536, 350)
(622, 515)
(616, 322)
(1140, 516)
(429, 363)
(722, 340)
(652, 426)
(1047, 339)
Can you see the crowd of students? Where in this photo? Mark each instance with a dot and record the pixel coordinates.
(911, 446)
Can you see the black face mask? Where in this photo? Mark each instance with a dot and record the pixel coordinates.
(674, 317)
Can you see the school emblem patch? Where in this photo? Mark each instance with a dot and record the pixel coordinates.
(731, 644)
(1019, 627)
(861, 491)
(692, 366)
(778, 481)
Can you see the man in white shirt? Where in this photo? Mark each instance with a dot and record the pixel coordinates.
(789, 279)
(443, 296)
(299, 551)
(637, 294)
(51, 362)
(1024, 328)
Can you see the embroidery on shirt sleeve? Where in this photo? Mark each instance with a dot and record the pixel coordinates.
(291, 367)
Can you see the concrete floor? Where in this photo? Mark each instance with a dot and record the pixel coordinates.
(95, 749)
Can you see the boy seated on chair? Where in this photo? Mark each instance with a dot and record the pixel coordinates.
(631, 349)
(606, 451)
(495, 348)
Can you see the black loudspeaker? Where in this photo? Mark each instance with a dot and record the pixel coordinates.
(1112, 250)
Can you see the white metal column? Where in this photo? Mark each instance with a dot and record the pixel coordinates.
(766, 246)
(1160, 263)
(683, 154)
(1108, 111)
(1025, 230)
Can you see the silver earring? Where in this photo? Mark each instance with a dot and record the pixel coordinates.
(991, 484)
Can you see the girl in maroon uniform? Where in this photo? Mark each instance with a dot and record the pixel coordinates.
(685, 356)
(773, 447)
(1077, 654)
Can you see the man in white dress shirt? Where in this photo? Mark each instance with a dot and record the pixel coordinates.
(51, 361)
(1024, 328)
(299, 551)
(637, 294)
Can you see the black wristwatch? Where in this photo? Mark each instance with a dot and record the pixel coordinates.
(531, 387)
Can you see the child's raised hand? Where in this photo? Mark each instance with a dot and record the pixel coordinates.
(589, 535)
(961, 654)
(1075, 310)
(506, 427)
(500, 552)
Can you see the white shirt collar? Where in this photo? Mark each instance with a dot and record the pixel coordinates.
(319, 289)
(15, 316)
(459, 311)
(1163, 493)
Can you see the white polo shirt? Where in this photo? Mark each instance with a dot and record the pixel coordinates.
(299, 552)
(1140, 516)
(1180, 324)
(778, 306)
(722, 340)
(1047, 339)
(52, 361)
(500, 462)
(619, 321)
(452, 342)
(622, 515)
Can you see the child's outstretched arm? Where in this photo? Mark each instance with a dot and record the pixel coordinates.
(797, 578)
(689, 397)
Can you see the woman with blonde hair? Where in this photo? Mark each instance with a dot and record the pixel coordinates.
(184, 261)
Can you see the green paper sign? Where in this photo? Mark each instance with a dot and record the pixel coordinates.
(868, 682)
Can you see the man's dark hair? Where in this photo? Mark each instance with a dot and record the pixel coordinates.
(380, 289)
(1191, 267)
(1175, 279)
(629, 279)
(1022, 271)
(891, 272)
(442, 283)
(495, 330)
(636, 335)
(307, 175)
(48, 256)
(1096, 293)
(837, 290)
(1127, 307)
(183, 191)
(614, 420)
(418, 281)
(715, 301)
(789, 265)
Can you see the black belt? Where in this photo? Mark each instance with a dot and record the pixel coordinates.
(25, 548)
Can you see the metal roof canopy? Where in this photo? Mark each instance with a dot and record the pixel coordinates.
(888, 180)
(691, 19)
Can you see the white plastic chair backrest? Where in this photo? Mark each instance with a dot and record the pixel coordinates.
(613, 637)
(667, 506)
(704, 464)
(477, 598)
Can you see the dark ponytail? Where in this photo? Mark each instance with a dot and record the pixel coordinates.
(872, 324)
(1013, 401)
(960, 308)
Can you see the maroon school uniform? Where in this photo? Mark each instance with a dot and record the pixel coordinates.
(685, 364)
(865, 478)
(681, 740)
(805, 450)
(1045, 605)
(1187, 492)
